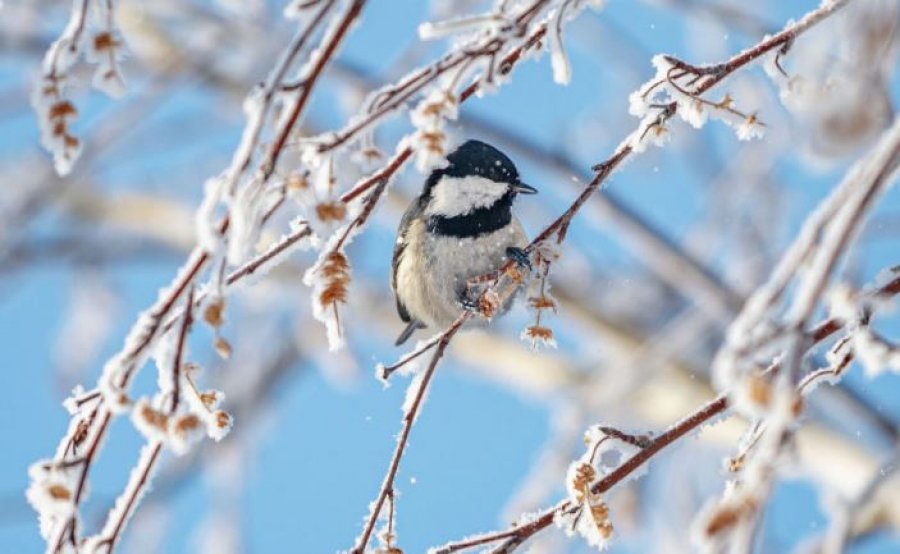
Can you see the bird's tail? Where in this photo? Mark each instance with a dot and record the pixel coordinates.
(410, 329)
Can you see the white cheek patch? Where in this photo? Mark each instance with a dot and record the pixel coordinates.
(454, 196)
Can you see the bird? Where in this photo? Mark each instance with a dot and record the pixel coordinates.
(460, 227)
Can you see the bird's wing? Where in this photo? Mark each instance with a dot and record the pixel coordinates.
(398, 251)
(415, 209)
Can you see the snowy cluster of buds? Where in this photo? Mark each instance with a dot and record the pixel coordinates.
(314, 192)
(51, 492)
(588, 515)
(721, 522)
(430, 139)
(672, 88)
(55, 113)
(179, 429)
(97, 41)
(592, 520)
(204, 404)
(106, 49)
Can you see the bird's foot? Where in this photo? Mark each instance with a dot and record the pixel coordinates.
(471, 300)
(519, 256)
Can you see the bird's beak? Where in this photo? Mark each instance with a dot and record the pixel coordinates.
(522, 188)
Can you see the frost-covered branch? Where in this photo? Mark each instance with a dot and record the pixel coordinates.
(141, 474)
(93, 412)
(91, 418)
(394, 96)
(245, 201)
(486, 49)
(678, 87)
(775, 402)
(532, 524)
(653, 124)
(416, 393)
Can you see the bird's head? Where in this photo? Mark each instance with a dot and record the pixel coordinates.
(477, 178)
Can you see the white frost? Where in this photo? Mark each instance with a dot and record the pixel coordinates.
(559, 61)
(672, 84)
(412, 393)
(874, 353)
(50, 493)
(208, 236)
(245, 218)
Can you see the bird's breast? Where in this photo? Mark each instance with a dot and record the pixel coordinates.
(434, 269)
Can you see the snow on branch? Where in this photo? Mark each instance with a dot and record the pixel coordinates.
(418, 389)
(494, 43)
(589, 516)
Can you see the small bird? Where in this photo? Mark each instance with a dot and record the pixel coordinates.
(460, 227)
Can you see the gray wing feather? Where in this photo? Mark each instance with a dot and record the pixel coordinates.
(414, 211)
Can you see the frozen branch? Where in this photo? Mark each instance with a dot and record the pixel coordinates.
(534, 523)
(418, 390)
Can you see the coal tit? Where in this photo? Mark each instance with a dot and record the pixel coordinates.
(460, 227)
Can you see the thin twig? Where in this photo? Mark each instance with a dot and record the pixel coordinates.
(252, 266)
(149, 461)
(277, 77)
(409, 418)
(392, 96)
(524, 531)
(327, 52)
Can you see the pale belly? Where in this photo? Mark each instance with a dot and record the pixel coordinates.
(447, 264)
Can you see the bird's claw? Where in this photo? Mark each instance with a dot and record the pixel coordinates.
(470, 302)
(519, 256)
